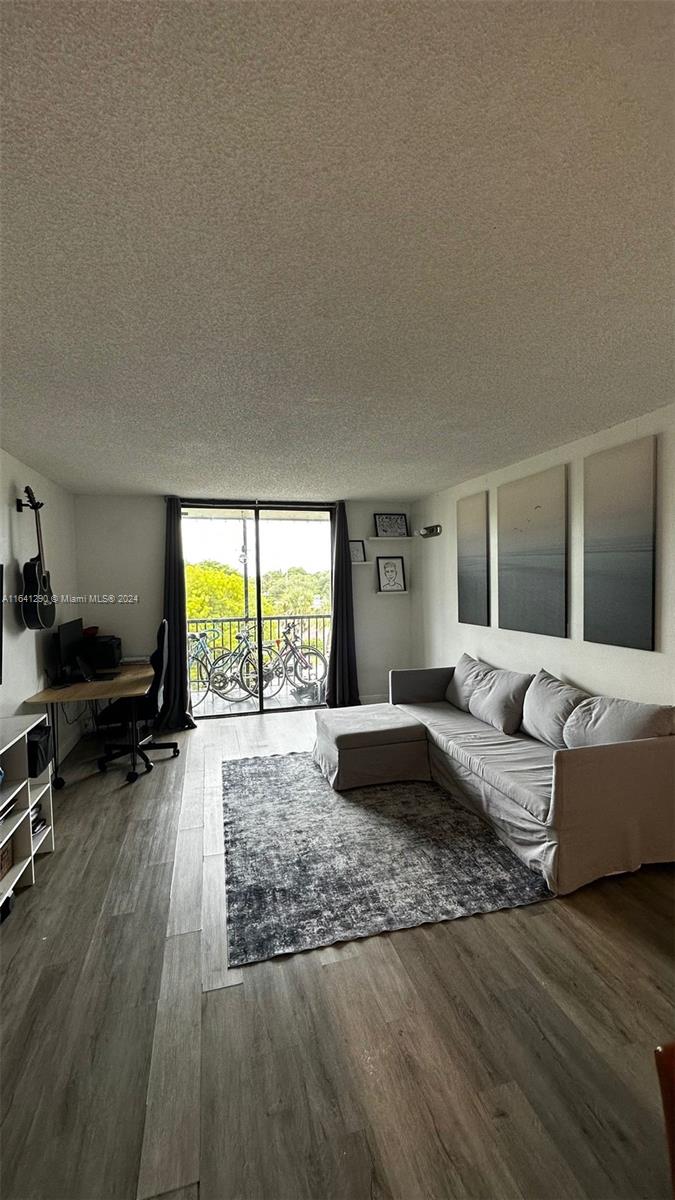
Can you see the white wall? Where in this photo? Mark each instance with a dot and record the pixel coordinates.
(439, 639)
(382, 622)
(120, 551)
(26, 651)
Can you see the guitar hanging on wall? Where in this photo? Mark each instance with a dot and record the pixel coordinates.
(37, 607)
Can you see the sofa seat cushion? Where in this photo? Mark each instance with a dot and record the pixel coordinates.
(369, 725)
(442, 721)
(517, 766)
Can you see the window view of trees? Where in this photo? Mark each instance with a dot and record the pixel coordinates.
(217, 590)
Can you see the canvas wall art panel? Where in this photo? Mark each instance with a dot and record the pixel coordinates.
(619, 525)
(532, 575)
(473, 560)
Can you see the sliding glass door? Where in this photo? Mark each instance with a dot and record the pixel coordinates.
(258, 584)
(221, 591)
(295, 603)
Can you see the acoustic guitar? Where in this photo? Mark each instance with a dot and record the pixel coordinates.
(37, 607)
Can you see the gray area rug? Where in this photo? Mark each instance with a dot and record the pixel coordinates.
(307, 866)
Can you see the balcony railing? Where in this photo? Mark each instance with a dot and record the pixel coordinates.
(312, 629)
(231, 692)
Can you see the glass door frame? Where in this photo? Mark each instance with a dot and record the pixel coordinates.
(255, 506)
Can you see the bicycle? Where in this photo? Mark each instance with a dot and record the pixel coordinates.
(236, 670)
(200, 662)
(302, 664)
(238, 667)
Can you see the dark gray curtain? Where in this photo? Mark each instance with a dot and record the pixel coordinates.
(342, 685)
(176, 710)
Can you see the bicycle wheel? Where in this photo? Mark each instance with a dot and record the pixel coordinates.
(314, 667)
(225, 678)
(199, 681)
(274, 672)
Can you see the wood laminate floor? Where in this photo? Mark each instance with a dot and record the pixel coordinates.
(497, 1057)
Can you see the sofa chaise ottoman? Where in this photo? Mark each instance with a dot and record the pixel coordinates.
(376, 743)
(578, 786)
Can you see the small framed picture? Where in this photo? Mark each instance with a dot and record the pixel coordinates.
(391, 525)
(357, 551)
(391, 574)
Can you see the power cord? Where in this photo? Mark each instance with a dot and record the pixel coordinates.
(77, 716)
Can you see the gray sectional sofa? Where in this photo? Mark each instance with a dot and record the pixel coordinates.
(577, 786)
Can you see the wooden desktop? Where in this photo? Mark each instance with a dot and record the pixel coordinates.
(132, 682)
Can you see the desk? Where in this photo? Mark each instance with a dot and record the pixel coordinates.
(132, 682)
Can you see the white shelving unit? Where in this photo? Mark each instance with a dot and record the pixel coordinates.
(19, 795)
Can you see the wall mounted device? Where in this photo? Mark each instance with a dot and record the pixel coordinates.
(428, 531)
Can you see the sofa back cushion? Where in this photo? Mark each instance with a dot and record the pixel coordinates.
(548, 704)
(603, 719)
(498, 698)
(468, 672)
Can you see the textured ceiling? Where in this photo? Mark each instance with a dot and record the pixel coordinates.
(309, 250)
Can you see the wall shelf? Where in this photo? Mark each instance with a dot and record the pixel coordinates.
(407, 538)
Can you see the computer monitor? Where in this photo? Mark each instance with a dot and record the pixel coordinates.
(69, 638)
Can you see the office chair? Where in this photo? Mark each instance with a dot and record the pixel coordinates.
(146, 709)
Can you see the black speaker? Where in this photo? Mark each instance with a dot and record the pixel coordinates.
(102, 653)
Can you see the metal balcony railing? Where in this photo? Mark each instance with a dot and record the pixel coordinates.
(312, 629)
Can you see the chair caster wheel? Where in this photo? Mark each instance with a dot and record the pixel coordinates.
(149, 767)
(102, 764)
(176, 753)
(132, 776)
(58, 782)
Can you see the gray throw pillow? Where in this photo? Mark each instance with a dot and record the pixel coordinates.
(498, 699)
(468, 672)
(548, 704)
(603, 719)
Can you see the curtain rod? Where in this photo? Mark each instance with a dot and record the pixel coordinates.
(312, 506)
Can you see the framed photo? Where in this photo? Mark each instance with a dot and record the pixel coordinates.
(390, 574)
(357, 551)
(391, 525)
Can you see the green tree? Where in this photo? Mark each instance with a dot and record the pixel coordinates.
(217, 590)
(213, 590)
(295, 591)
